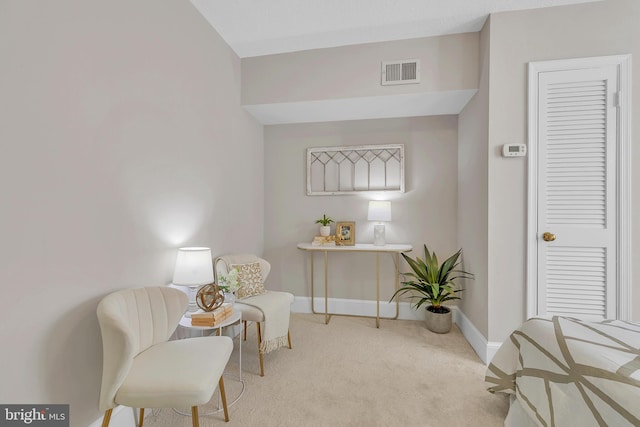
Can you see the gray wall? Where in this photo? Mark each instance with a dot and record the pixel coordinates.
(122, 139)
(473, 193)
(594, 29)
(425, 213)
(447, 63)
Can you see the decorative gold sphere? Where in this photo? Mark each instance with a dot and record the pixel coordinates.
(209, 297)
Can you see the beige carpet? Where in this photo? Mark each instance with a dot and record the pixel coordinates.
(348, 373)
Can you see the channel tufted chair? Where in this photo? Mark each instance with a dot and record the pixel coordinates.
(222, 265)
(142, 368)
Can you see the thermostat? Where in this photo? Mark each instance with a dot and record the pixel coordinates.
(514, 150)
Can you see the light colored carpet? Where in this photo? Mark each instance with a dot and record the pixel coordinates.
(348, 373)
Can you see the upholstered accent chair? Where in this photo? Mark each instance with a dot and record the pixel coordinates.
(142, 368)
(249, 304)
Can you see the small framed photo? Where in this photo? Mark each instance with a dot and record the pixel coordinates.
(346, 233)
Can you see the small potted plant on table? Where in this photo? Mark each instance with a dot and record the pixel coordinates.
(434, 284)
(325, 227)
(229, 285)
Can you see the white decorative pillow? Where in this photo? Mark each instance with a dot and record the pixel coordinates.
(249, 279)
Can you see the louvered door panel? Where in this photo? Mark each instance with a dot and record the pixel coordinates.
(576, 281)
(576, 153)
(576, 193)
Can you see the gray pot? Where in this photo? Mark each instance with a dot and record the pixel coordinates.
(440, 323)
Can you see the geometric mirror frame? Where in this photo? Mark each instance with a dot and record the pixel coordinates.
(355, 169)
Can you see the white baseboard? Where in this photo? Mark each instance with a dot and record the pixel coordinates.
(121, 416)
(485, 350)
(492, 349)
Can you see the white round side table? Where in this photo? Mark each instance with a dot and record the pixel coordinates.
(235, 318)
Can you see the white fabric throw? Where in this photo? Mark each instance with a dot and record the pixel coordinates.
(276, 310)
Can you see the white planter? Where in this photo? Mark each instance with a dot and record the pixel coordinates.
(325, 230)
(229, 298)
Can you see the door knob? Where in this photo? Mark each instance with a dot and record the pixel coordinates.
(548, 237)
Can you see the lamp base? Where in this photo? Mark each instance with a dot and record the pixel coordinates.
(190, 292)
(192, 308)
(378, 235)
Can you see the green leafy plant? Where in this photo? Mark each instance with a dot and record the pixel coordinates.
(325, 220)
(431, 282)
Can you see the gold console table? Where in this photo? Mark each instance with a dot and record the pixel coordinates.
(395, 250)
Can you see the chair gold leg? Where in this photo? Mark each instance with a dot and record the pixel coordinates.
(289, 338)
(260, 352)
(245, 330)
(141, 418)
(106, 418)
(194, 416)
(223, 396)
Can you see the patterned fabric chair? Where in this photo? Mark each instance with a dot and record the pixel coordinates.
(247, 305)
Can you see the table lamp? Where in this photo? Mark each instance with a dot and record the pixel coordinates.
(194, 268)
(379, 210)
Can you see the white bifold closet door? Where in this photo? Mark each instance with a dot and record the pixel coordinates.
(577, 128)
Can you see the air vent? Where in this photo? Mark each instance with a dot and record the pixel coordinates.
(401, 72)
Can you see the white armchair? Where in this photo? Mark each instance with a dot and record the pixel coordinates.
(142, 369)
(253, 308)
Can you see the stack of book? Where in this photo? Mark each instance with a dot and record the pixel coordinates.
(212, 318)
(324, 241)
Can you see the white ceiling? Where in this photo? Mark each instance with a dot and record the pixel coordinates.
(264, 27)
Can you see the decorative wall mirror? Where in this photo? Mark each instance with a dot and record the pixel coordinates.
(355, 169)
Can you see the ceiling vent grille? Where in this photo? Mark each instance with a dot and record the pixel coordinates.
(401, 72)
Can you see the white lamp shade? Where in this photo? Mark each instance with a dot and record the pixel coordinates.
(194, 267)
(379, 210)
